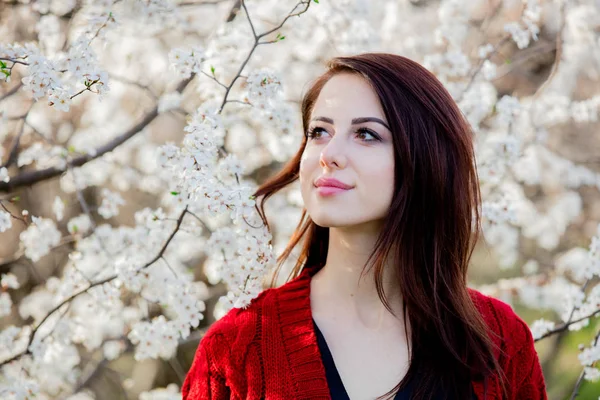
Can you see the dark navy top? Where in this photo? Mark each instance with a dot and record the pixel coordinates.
(334, 381)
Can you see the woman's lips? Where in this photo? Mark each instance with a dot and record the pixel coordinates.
(330, 190)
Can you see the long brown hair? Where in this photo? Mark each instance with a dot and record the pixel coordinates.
(432, 225)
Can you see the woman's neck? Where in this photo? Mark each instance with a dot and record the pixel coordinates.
(340, 285)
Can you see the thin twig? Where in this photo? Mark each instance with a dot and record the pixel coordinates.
(14, 148)
(12, 91)
(582, 375)
(179, 371)
(256, 43)
(215, 79)
(475, 73)
(14, 61)
(11, 214)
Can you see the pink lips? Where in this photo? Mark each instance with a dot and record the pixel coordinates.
(330, 186)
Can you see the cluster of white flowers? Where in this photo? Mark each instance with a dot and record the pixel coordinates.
(9, 281)
(451, 64)
(185, 62)
(496, 156)
(590, 355)
(56, 7)
(58, 207)
(82, 66)
(507, 108)
(79, 224)
(44, 74)
(158, 338)
(5, 304)
(522, 32)
(171, 392)
(500, 211)
(111, 201)
(264, 87)
(4, 175)
(541, 327)
(5, 221)
(39, 238)
(43, 157)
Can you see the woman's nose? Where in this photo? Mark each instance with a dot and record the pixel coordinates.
(333, 154)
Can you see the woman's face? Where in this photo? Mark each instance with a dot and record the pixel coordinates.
(349, 140)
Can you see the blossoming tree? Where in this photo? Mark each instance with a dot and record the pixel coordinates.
(134, 132)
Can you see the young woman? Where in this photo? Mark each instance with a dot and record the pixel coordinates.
(377, 304)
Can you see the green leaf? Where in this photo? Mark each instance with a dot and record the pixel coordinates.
(174, 193)
(15, 199)
(5, 72)
(212, 69)
(75, 229)
(316, 1)
(71, 149)
(507, 61)
(281, 38)
(2, 64)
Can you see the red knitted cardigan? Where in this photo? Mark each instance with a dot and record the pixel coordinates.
(269, 351)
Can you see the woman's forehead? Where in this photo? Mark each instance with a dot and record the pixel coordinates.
(347, 94)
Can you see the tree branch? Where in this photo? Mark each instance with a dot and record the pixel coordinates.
(31, 177)
(566, 325)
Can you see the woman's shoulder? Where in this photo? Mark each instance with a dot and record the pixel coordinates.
(244, 321)
(508, 327)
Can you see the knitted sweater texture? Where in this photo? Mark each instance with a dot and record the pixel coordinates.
(269, 351)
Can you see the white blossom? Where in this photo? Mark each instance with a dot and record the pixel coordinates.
(541, 327)
(5, 304)
(9, 281)
(590, 355)
(264, 86)
(5, 221)
(4, 175)
(171, 392)
(39, 238)
(59, 98)
(62, 7)
(592, 374)
(58, 206)
(158, 338)
(488, 70)
(185, 62)
(79, 224)
(110, 204)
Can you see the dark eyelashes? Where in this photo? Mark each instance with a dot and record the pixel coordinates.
(313, 132)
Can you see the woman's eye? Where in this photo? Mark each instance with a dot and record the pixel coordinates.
(365, 131)
(314, 132)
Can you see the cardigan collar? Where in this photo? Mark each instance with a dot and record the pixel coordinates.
(301, 346)
(300, 339)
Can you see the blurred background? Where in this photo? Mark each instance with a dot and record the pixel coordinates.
(525, 74)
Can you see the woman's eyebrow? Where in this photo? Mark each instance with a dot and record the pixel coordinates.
(354, 121)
